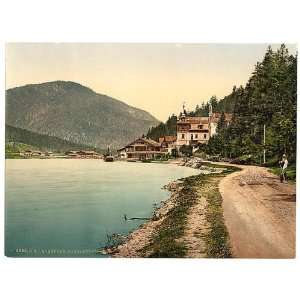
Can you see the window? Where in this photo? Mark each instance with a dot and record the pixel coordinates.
(191, 136)
(204, 135)
(196, 136)
(182, 136)
(200, 126)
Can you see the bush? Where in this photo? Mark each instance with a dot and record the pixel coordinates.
(291, 172)
(272, 162)
(186, 150)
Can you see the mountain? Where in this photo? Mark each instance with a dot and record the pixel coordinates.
(75, 113)
(40, 141)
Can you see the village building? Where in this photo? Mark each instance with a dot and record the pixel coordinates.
(88, 154)
(82, 154)
(192, 130)
(27, 153)
(141, 149)
(72, 154)
(37, 154)
(167, 143)
(198, 130)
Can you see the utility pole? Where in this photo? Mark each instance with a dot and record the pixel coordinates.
(264, 143)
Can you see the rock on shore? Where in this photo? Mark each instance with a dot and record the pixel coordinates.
(198, 163)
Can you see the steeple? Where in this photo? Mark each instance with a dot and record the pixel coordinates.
(183, 109)
(210, 110)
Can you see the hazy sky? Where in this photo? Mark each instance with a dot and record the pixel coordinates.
(154, 77)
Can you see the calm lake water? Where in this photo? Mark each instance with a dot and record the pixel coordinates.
(65, 207)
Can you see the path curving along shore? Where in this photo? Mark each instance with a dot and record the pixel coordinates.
(259, 213)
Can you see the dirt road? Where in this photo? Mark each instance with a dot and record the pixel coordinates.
(260, 214)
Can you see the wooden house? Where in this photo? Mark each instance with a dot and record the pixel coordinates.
(141, 149)
(167, 143)
(82, 154)
(27, 153)
(88, 154)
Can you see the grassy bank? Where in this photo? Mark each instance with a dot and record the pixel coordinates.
(217, 239)
(167, 240)
(12, 150)
(291, 172)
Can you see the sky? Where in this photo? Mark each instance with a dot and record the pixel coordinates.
(155, 77)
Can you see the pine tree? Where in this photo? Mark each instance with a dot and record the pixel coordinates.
(221, 126)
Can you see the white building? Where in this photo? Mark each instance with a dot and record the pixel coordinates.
(198, 130)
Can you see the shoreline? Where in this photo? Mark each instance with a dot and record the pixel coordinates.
(167, 231)
(140, 237)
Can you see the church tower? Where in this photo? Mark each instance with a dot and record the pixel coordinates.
(210, 111)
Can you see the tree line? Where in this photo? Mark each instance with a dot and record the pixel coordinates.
(162, 129)
(268, 100)
(15, 136)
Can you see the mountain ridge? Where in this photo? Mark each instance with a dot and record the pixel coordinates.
(81, 86)
(73, 112)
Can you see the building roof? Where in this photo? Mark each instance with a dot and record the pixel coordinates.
(204, 120)
(167, 138)
(87, 152)
(146, 140)
(144, 152)
(193, 120)
(151, 142)
(199, 130)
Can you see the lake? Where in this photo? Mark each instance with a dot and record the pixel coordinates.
(67, 207)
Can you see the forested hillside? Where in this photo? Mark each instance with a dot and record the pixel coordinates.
(40, 141)
(168, 128)
(269, 99)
